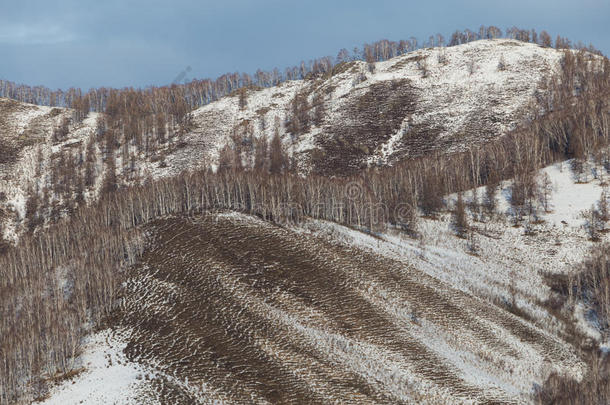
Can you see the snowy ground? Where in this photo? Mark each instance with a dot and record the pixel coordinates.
(459, 95)
(108, 377)
(571, 198)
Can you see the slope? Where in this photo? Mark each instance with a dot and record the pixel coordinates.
(436, 99)
(226, 307)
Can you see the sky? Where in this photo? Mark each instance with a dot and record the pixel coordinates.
(136, 43)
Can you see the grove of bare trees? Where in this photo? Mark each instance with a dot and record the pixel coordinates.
(54, 283)
(178, 98)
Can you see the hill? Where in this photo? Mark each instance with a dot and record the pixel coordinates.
(435, 99)
(227, 307)
(385, 232)
(426, 101)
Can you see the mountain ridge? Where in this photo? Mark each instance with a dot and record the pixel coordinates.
(433, 100)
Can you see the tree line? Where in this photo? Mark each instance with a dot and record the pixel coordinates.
(199, 92)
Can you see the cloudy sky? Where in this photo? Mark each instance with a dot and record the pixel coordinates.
(137, 43)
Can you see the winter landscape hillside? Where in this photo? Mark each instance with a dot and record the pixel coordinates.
(427, 228)
(322, 312)
(434, 99)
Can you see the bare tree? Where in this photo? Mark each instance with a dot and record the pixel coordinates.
(502, 63)
(242, 98)
(261, 154)
(602, 206)
(225, 159)
(545, 40)
(490, 200)
(442, 57)
(278, 160)
(422, 66)
(298, 121)
(60, 132)
(431, 197)
(546, 192)
(343, 56)
(319, 109)
(110, 180)
(471, 66)
(593, 223)
(473, 243)
(459, 218)
(473, 205)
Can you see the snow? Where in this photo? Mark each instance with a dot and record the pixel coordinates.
(570, 198)
(449, 98)
(20, 118)
(509, 265)
(108, 378)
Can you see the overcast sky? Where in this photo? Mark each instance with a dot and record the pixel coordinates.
(137, 43)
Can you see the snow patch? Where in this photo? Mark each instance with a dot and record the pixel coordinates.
(109, 378)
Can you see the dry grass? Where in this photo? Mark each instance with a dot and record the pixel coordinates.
(366, 122)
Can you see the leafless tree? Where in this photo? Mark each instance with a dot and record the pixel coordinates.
(459, 218)
(546, 191)
(422, 66)
(545, 39)
(502, 64)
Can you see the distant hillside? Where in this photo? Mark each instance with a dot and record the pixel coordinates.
(434, 99)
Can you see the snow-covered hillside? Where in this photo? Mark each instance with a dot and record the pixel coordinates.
(431, 99)
(389, 317)
(460, 96)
